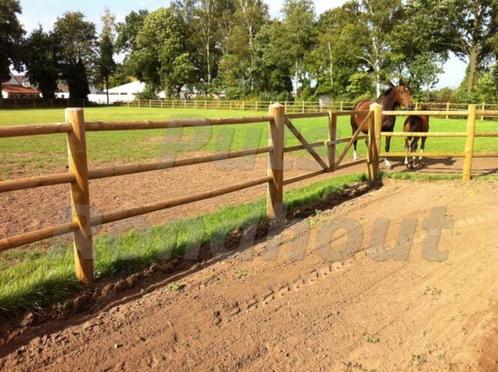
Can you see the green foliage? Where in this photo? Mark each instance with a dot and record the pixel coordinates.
(127, 31)
(160, 58)
(105, 64)
(41, 57)
(76, 40)
(11, 33)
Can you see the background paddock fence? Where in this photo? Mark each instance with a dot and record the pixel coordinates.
(75, 128)
(292, 107)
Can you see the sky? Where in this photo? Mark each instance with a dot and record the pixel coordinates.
(45, 12)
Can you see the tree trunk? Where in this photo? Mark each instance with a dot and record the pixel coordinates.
(472, 69)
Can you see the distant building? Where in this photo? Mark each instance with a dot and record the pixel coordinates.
(19, 87)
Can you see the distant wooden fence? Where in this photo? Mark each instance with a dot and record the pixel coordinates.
(290, 106)
(75, 128)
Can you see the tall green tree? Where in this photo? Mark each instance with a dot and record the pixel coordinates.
(238, 61)
(272, 65)
(299, 27)
(76, 39)
(41, 58)
(127, 31)
(376, 22)
(160, 58)
(105, 65)
(334, 60)
(208, 23)
(11, 33)
(475, 27)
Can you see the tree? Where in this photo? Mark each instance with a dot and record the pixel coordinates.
(76, 39)
(105, 62)
(41, 56)
(160, 58)
(208, 22)
(475, 26)
(272, 66)
(375, 22)
(127, 31)
(11, 33)
(237, 63)
(334, 60)
(299, 27)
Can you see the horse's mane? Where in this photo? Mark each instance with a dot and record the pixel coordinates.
(387, 91)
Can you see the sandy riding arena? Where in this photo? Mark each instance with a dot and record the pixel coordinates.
(281, 304)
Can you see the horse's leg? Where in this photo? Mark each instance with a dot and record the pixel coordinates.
(388, 146)
(414, 147)
(407, 149)
(422, 147)
(355, 153)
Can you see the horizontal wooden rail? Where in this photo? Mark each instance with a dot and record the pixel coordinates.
(423, 134)
(486, 134)
(304, 177)
(302, 147)
(307, 115)
(132, 212)
(487, 113)
(34, 130)
(121, 170)
(430, 113)
(38, 235)
(345, 140)
(33, 182)
(423, 154)
(351, 163)
(347, 113)
(439, 154)
(134, 125)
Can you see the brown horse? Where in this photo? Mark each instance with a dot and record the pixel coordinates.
(395, 96)
(415, 123)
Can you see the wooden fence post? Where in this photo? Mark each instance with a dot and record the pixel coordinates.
(80, 195)
(342, 106)
(302, 109)
(275, 191)
(483, 107)
(377, 117)
(331, 146)
(285, 106)
(447, 109)
(469, 143)
(374, 129)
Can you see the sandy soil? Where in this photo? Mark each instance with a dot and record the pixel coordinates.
(298, 310)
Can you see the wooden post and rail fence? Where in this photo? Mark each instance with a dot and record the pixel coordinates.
(78, 177)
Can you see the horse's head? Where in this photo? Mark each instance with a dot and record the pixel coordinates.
(403, 96)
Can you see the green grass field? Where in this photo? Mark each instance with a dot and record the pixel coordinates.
(36, 155)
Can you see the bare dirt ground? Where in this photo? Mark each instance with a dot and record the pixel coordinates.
(297, 310)
(28, 210)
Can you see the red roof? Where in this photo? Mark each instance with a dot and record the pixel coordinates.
(19, 89)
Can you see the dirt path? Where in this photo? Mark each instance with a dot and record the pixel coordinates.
(300, 311)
